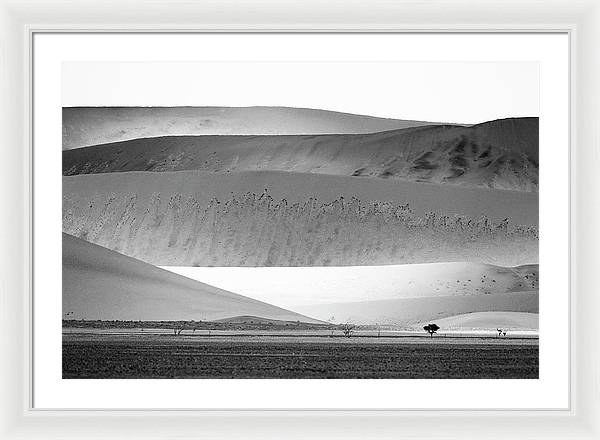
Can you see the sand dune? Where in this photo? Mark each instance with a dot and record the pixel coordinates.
(194, 218)
(290, 287)
(408, 312)
(521, 208)
(499, 154)
(101, 284)
(488, 320)
(84, 126)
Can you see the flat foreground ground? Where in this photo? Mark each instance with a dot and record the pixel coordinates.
(311, 357)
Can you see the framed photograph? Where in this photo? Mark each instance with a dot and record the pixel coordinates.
(357, 225)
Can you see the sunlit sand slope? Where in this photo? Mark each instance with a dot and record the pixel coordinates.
(293, 286)
(101, 284)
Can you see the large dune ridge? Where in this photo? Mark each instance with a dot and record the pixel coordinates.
(289, 287)
(85, 126)
(202, 219)
(102, 284)
(501, 154)
(410, 312)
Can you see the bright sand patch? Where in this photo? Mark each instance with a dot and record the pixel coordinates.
(489, 320)
(305, 286)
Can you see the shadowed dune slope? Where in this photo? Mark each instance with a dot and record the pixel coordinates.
(101, 284)
(500, 154)
(84, 126)
(171, 219)
(407, 312)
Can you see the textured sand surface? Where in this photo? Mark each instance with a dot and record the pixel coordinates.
(84, 126)
(519, 207)
(499, 154)
(101, 284)
(195, 218)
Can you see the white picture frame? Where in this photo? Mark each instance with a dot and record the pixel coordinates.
(581, 20)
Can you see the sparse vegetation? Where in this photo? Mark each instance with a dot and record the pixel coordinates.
(347, 329)
(176, 326)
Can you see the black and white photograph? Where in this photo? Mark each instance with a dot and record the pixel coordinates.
(302, 221)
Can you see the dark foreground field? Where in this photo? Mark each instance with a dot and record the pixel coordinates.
(166, 356)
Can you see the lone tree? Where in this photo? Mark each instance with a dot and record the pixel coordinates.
(431, 329)
(347, 329)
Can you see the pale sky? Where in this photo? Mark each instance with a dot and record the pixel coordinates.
(461, 92)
